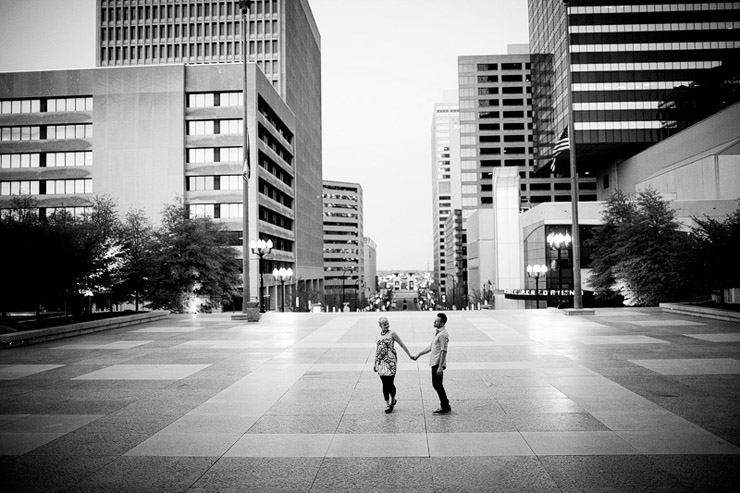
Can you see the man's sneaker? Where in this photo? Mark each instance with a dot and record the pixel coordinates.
(442, 411)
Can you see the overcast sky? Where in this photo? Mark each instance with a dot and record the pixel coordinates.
(384, 65)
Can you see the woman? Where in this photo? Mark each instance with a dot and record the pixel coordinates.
(385, 361)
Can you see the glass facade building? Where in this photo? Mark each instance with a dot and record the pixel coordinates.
(636, 71)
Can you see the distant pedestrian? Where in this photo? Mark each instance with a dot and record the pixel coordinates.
(438, 361)
(386, 361)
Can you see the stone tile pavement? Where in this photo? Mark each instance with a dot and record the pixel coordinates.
(626, 400)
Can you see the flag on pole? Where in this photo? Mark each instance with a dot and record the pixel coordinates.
(246, 171)
(562, 145)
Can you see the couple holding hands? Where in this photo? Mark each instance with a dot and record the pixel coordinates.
(386, 361)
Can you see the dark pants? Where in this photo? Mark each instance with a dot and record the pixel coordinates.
(444, 403)
(389, 389)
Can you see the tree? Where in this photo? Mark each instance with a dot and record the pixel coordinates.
(191, 259)
(716, 244)
(137, 241)
(638, 251)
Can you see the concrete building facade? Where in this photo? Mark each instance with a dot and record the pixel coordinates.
(344, 246)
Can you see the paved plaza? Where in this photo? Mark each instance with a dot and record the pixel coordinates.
(625, 400)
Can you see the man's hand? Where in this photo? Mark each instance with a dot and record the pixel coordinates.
(440, 370)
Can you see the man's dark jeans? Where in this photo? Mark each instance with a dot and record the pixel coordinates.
(444, 403)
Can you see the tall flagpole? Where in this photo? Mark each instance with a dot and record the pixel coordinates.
(246, 298)
(575, 234)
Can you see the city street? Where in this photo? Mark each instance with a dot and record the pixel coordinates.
(625, 400)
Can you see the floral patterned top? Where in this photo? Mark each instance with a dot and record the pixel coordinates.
(385, 356)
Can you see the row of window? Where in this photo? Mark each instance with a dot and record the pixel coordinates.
(473, 152)
(191, 50)
(217, 211)
(76, 212)
(621, 67)
(466, 68)
(46, 187)
(617, 105)
(188, 31)
(629, 86)
(217, 182)
(641, 28)
(215, 127)
(487, 103)
(469, 80)
(53, 160)
(630, 47)
(624, 125)
(52, 132)
(489, 115)
(196, 9)
(215, 99)
(668, 7)
(215, 155)
(53, 105)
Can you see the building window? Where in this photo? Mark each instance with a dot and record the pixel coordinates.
(68, 187)
(66, 159)
(20, 187)
(8, 161)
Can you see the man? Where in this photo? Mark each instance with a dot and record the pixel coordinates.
(438, 361)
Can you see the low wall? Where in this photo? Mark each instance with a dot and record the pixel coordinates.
(700, 311)
(26, 337)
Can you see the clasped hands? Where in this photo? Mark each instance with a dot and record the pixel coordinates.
(414, 357)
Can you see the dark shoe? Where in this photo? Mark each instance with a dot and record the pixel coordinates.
(442, 411)
(388, 409)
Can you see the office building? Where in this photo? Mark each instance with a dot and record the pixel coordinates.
(456, 259)
(496, 132)
(630, 64)
(166, 104)
(344, 256)
(446, 191)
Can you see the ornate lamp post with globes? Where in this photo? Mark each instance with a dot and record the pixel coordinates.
(558, 241)
(282, 274)
(261, 248)
(536, 271)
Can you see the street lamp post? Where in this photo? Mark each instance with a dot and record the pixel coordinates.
(536, 271)
(558, 241)
(344, 272)
(261, 248)
(283, 275)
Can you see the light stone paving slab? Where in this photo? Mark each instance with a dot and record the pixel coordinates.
(708, 366)
(11, 372)
(167, 330)
(379, 445)
(285, 445)
(110, 346)
(190, 444)
(663, 323)
(614, 340)
(726, 337)
(648, 420)
(478, 444)
(143, 372)
(577, 443)
(677, 442)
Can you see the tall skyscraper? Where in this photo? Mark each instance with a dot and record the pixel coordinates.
(630, 63)
(446, 192)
